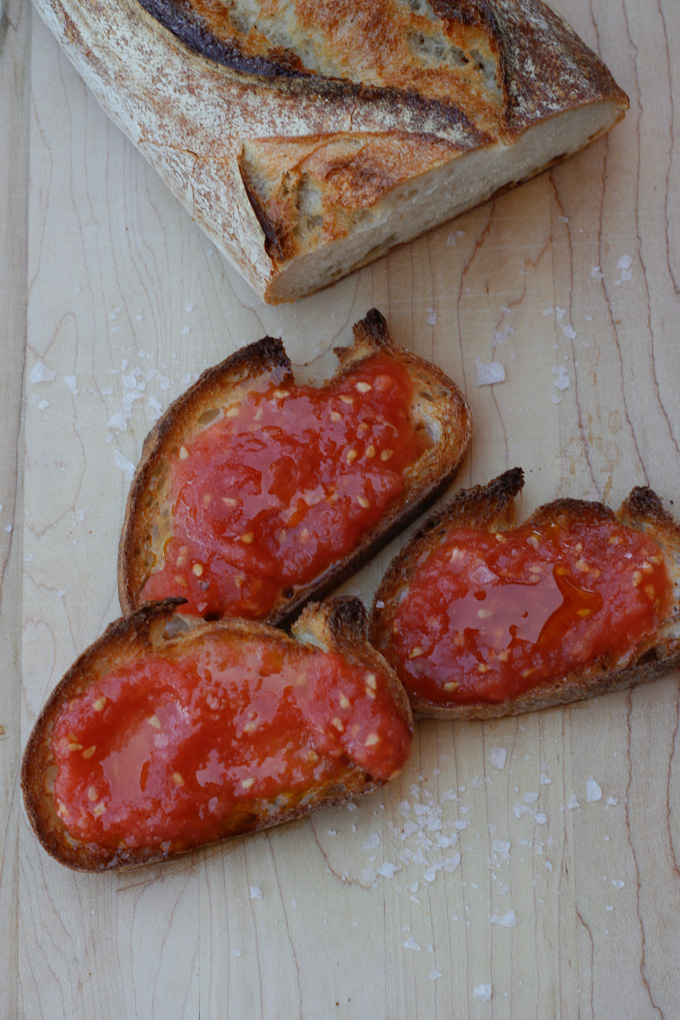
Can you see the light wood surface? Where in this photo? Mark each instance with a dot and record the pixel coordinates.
(552, 876)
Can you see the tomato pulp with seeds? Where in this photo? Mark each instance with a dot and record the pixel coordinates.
(161, 752)
(284, 485)
(489, 616)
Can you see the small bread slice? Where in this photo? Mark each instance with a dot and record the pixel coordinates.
(490, 511)
(434, 415)
(316, 757)
(308, 139)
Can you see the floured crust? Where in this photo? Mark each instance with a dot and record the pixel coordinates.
(337, 626)
(438, 405)
(308, 137)
(492, 508)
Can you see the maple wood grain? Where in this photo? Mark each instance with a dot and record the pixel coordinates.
(572, 279)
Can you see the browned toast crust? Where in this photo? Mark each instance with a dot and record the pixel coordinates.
(438, 404)
(492, 507)
(338, 625)
(299, 133)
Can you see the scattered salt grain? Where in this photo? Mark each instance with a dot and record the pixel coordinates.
(434, 975)
(432, 317)
(119, 421)
(612, 801)
(540, 818)
(489, 372)
(562, 382)
(508, 920)
(43, 404)
(255, 892)
(186, 330)
(593, 791)
(560, 313)
(544, 780)
(237, 952)
(569, 332)
(123, 463)
(388, 870)
(597, 273)
(453, 238)
(617, 883)
(373, 841)
(500, 847)
(497, 758)
(411, 944)
(548, 311)
(501, 335)
(482, 993)
(61, 593)
(72, 383)
(530, 798)
(573, 802)
(41, 373)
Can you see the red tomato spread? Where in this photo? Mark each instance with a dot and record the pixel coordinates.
(489, 616)
(177, 754)
(284, 484)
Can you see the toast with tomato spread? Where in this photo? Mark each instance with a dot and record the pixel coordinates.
(171, 733)
(255, 493)
(481, 618)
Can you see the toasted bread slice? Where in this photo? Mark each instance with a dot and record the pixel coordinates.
(170, 733)
(291, 519)
(307, 139)
(542, 627)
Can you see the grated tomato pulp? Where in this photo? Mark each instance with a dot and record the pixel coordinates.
(489, 616)
(160, 752)
(283, 485)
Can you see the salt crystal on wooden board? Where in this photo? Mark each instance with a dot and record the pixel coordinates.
(482, 993)
(508, 920)
(255, 892)
(41, 373)
(489, 372)
(497, 757)
(593, 791)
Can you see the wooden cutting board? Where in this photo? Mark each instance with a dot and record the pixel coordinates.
(528, 867)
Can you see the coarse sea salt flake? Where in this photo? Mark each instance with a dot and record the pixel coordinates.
(255, 892)
(373, 841)
(617, 883)
(562, 382)
(119, 421)
(489, 372)
(434, 975)
(612, 801)
(500, 846)
(530, 798)
(72, 383)
(388, 870)
(41, 373)
(497, 757)
(411, 944)
(508, 920)
(482, 993)
(432, 317)
(569, 332)
(573, 802)
(123, 463)
(593, 791)
(597, 273)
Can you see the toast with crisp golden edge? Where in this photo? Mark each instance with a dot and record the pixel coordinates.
(438, 410)
(309, 137)
(337, 628)
(491, 508)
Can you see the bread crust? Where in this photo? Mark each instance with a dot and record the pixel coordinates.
(492, 508)
(338, 625)
(438, 405)
(202, 99)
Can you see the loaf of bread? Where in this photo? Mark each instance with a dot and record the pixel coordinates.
(308, 138)
(255, 494)
(481, 619)
(170, 733)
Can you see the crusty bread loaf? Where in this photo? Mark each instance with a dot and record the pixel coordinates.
(437, 409)
(337, 627)
(308, 138)
(491, 509)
